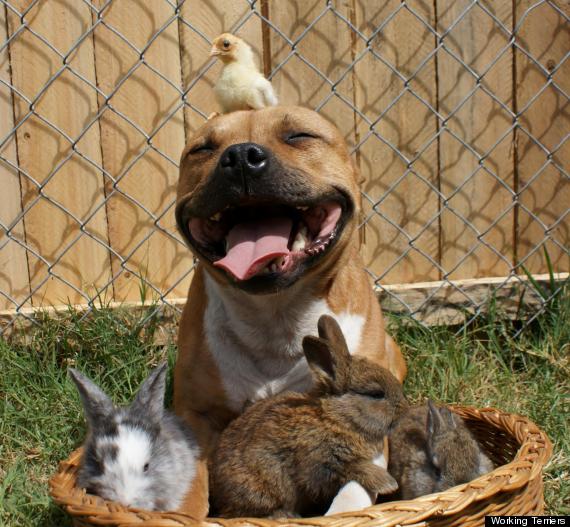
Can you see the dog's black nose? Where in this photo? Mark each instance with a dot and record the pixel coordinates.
(244, 159)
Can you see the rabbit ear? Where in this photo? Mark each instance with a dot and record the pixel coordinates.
(150, 397)
(436, 422)
(328, 354)
(96, 403)
(319, 357)
(448, 418)
(330, 331)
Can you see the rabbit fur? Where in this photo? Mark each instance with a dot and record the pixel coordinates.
(141, 455)
(431, 450)
(289, 455)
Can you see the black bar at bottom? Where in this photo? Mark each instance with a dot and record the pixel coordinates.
(526, 521)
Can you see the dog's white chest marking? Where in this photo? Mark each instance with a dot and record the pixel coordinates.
(257, 344)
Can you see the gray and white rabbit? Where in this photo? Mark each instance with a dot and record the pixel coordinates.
(431, 450)
(140, 455)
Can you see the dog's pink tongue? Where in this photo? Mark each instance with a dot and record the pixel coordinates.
(252, 245)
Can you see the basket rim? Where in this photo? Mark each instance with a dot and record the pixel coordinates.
(533, 453)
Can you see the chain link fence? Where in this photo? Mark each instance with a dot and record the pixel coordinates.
(456, 112)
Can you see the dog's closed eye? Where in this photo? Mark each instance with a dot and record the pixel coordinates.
(202, 148)
(298, 137)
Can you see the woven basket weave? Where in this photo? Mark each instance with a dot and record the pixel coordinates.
(518, 448)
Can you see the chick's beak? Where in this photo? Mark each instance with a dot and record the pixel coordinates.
(214, 52)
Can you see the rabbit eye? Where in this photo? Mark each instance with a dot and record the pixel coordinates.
(145, 468)
(93, 490)
(377, 394)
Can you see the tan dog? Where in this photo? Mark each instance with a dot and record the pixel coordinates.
(269, 202)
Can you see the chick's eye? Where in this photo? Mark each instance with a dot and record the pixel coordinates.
(298, 137)
(145, 468)
(226, 44)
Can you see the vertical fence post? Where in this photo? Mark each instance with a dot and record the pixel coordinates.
(398, 131)
(543, 141)
(62, 189)
(142, 128)
(476, 145)
(14, 277)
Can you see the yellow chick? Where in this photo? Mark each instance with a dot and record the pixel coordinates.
(240, 85)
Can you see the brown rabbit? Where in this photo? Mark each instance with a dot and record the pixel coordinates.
(431, 449)
(289, 455)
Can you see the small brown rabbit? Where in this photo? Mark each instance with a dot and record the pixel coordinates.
(289, 455)
(431, 449)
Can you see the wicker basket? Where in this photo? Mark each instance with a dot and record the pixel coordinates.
(517, 447)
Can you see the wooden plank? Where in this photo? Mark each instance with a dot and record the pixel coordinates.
(473, 207)
(166, 317)
(69, 104)
(434, 303)
(544, 34)
(146, 177)
(14, 276)
(444, 303)
(210, 18)
(407, 126)
(327, 46)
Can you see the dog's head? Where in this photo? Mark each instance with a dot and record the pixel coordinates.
(266, 197)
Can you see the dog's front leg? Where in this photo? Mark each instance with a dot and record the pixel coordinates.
(195, 503)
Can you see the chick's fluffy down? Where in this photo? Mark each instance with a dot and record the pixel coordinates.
(241, 87)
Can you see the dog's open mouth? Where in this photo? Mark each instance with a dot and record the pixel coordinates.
(267, 239)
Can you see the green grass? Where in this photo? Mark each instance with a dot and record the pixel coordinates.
(41, 419)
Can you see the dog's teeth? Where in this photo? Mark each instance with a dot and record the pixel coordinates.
(318, 249)
(226, 245)
(303, 208)
(300, 241)
(216, 217)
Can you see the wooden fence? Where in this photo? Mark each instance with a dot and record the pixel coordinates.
(457, 110)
